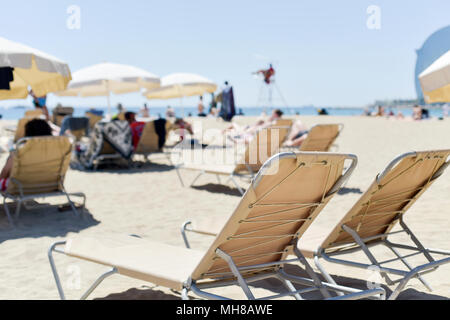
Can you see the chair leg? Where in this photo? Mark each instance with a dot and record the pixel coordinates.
(183, 234)
(71, 203)
(414, 273)
(290, 287)
(98, 282)
(55, 271)
(195, 180)
(19, 205)
(58, 281)
(311, 273)
(421, 279)
(184, 294)
(325, 274)
(234, 269)
(8, 214)
(236, 185)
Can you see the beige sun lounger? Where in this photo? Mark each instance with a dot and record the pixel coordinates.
(36, 113)
(372, 219)
(93, 119)
(266, 143)
(59, 113)
(285, 127)
(284, 198)
(149, 141)
(20, 129)
(39, 168)
(321, 137)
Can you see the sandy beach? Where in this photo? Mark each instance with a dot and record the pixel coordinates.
(149, 201)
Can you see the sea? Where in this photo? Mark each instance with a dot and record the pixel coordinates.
(15, 113)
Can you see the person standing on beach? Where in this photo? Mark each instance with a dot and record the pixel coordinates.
(201, 108)
(120, 112)
(145, 113)
(228, 109)
(170, 113)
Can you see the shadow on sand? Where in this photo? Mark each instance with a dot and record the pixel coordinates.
(273, 285)
(344, 190)
(43, 220)
(219, 188)
(136, 168)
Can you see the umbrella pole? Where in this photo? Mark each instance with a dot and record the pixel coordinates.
(182, 107)
(108, 97)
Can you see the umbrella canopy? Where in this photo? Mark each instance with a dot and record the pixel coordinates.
(106, 78)
(180, 85)
(435, 80)
(31, 68)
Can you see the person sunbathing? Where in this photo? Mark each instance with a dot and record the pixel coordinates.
(298, 134)
(34, 128)
(239, 134)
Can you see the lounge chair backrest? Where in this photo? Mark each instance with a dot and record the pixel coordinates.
(321, 137)
(59, 113)
(266, 143)
(285, 127)
(20, 130)
(283, 123)
(36, 113)
(121, 116)
(40, 165)
(282, 201)
(93, 119)
(392, 193)
(149, 141)
(107, 149)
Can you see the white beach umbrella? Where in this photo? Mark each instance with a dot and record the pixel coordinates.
(178, 85)
(106, 78)
(32, 68)
(435, 80)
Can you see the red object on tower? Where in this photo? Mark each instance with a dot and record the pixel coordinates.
(268, 74)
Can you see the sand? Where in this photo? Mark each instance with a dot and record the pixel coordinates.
(149, 201)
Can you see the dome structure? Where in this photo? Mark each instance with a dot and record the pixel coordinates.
(435, 46)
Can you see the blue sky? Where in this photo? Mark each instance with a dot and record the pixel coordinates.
(323, 51)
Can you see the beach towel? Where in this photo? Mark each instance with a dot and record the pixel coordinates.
(136, 130)
(160, 128)
(6, 76)
(116, 133)
(228, 110)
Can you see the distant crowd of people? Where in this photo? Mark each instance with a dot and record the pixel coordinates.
(234, 132)
(418, 113)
